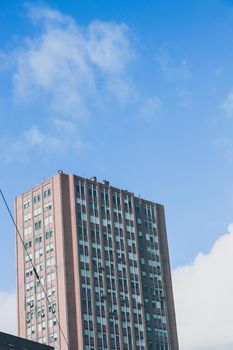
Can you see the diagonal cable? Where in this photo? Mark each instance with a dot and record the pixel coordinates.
(33, 266)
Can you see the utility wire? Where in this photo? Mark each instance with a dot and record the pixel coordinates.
(33, 266)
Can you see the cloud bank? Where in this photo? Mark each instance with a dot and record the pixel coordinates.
(203, 297)
(70, 64)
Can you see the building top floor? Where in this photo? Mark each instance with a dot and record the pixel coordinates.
(45, 185)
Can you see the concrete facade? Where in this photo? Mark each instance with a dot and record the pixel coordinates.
(102, 256)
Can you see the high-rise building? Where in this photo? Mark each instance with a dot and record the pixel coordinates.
(102, 257)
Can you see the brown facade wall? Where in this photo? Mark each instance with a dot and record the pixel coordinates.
(67, 268)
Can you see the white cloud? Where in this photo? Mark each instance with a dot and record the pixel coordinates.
(203, 296)
(48, 16)
(65, 75)
(70, 73)
(106, 44)
(71, 64)
(227, 105)
(109, 46)
(8, 319)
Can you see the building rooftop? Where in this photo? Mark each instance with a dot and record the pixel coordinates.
(8, 341)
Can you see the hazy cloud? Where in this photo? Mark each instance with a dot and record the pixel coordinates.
(203, 294)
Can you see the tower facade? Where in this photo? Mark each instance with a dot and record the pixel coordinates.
(102, 257)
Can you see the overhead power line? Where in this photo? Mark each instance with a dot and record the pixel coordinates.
(33, 266)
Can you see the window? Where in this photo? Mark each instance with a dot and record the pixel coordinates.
(51, 291)
(48, 234)
(52, 322)
(140, 342)
(48, 220)
(30, 316)
(36, 198)
(26, 204)
(50, 277)
(37, 225)
(28, 272)
(47, 206)
(133, 269)
(49, 248)
(27, 230)
(101, 320)
(29, 286)
(52, 337)
(39, 267)
(30, 330)
(128, 216)
(40, 296)
(40, 282)
(83, 217)
(80, 187)
(27, 217)
(42, 340)
(50, 262)
(106, 222)
(41, 311)
(84, 258)
(41, 326)
(30, 301)
(93, 219)
(28, 244)
(28, 257)
(39, 252)
(37, 211)
(47, 193)
(132, 256)
(52, 308)
(38, 239)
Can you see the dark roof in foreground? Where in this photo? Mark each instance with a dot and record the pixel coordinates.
(8, 341)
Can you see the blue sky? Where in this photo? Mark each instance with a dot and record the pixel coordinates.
(139, 93)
